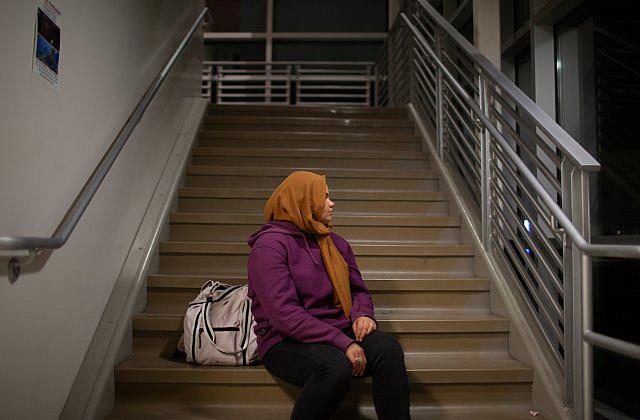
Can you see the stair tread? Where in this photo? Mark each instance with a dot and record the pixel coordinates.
(339, 220)
(330, 172)
(389, 320)
(264, 193)
(161, 410)
(308, 108)
(168, 281)
(264, 152)
(417, 364)
(358, 248)
(306, 134)
(344, 121)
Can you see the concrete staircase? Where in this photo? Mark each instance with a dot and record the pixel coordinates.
(388, 205)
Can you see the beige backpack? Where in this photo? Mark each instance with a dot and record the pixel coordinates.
(218, 326)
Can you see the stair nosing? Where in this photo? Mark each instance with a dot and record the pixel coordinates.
(274, 171)
(186, 282)
(341, 194)
(266, 152)
(240, 248)
(179, 218)
(164, 322)
(294, 120)
(166, 371)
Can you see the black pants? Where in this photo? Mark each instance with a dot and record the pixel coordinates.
(324, 374)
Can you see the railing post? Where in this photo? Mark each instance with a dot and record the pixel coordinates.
(267, 86)
(485, 165)
(587, 348)
(376, 86)
(288, 90)
(218, 84)
(577, 358)
(296, 82)
(368, 84)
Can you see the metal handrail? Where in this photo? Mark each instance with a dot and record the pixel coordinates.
(616, 251)
(62, 233)
(561, 139)
(573, 161)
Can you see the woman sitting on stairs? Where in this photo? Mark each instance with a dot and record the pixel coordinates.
(315, 321)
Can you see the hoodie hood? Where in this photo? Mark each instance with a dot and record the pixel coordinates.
(275, 226)
(287, 228)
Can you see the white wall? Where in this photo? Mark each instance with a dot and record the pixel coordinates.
(50, 141)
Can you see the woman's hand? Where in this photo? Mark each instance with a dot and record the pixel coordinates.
(355, 354)
(363, 326)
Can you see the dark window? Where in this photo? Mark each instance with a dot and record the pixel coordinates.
(325, 51)
(330, 16)
(237, 15)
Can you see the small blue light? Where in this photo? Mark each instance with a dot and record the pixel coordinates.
(527, 225)
(528, 251)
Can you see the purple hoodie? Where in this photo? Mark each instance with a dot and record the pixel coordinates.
(292, 293)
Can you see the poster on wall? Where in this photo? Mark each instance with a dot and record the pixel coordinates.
(46, 51)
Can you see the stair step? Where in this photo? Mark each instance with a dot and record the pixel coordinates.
(271, 177)
(163, 410)
(234, 156)
(389, 229)
(170, 281)
(363, 144)
(308, 121)
(319, 111)
(508, 401)
(338, 178)
(310, 128)
(227, 257)
(467, 332)
(264, 193)
(421, 369)
(339, 220)
(384, 295)
(361, 250)
(301, 133)
(314, 152)
(395, 321)
(372, 202)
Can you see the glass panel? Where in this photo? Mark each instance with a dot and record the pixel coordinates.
(237, 15)
(330, 16)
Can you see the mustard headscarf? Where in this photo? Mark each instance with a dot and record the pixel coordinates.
(300, 199)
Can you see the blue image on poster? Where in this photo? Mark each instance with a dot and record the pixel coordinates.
(47, 54)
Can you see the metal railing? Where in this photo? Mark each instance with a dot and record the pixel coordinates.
(62, 233)
(526, 177)
(288, 82)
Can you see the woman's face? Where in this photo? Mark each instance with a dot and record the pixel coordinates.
(327, 213)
